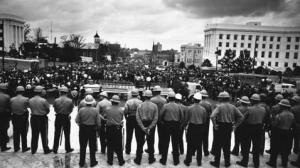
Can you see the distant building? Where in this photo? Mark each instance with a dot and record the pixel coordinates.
(157, 47)
(11, 31)
(90, 49)
(272, 46)
(191, 54)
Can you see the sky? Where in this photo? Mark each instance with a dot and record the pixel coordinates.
(139, 23)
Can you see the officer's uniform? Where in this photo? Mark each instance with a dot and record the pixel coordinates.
(130, 112)
(4, 117)
(184, 108)
(296, 111)
(114, 126)
(159, 101)
(82, 103)
(253, 128)
(101, 108)
(223, 118)
(172, 118)
(63, 106)
(196, 118)
(18, 106)
(39, 121)
(88, 120)
(146, 117)
(280, 136)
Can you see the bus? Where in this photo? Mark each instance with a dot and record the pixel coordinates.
(20, 64)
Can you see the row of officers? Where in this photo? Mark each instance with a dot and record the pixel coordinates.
(248, 120)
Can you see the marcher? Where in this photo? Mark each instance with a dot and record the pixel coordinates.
(88, 120)
(196, 119)
(296, 111)
(39, 121)
(146, 117)
(5, 117)
(131, 106)
(63, 107)
(18, 106)
(114, 127)
(223, 118)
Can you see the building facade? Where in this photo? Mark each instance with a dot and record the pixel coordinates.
(274, 47)
(11, 31)
(191, 54)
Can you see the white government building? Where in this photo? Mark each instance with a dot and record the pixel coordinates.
(11, 31)
(274, 47)
(190, 54)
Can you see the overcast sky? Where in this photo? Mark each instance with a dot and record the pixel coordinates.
(137, 23)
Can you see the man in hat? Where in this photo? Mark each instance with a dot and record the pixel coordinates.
(208, 108)
(4, 117)
(88, 119)
(196, 119)
(88, 91)
(146, 117)
(296, 111)
(18, 106)
(101, 107)
(253, 128)
(266, 125)
(172, 118)
(130, 115)
(239, 131)
(63, 106)
(226, 117)
(280, 136)
(114, 126)
(39, 121)
(159, 101)
(178, 100)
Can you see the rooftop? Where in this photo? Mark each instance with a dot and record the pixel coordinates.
(6, 16)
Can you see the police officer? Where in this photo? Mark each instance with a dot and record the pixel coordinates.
(159, 101)
(18, 106)
(196, 118)
(130, 112)
(208, 108)
(240, 130)
(253, 128)
(294, 139)
(266, 126)
(101, 107)
(88, 91)
(39, 121)
(172, 118)
(226, 117)
(146, 117)
(63, 106)
(280, 135)
(114, 126)
(88, 120)
(4, 117)
(296, 111)
(178, 99)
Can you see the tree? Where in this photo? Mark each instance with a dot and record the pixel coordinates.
(181, 65)
(244, 63)
(192, 67)
(38, 36)
(227, 62)
(288, 72)
(206, 63)
(296, 71)
(13, 52)
(75, 41)
(27, 31)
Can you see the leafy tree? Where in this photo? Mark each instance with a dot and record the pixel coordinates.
(27, 31)
(227, 62)
(181, 65)
(38, 36)
(288, 72)
(192, 67)
(296, 71)
(244, 63)
(206, 63)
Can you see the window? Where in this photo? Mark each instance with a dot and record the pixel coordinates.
(264, 46)
(228, 36)
(278, 39)
(277, 55)
(242, 44)
(249, 45)
(271, 46)
(288, 47)
(296, 47)
(220, 36)
(272, 38)
(277, 46)
(250, 37)
(262, 54)
(287, 55)
(276, 64)
(256, 45)
(234, 44)
(297, 39)
(294, 64)
(288, 39)
(243, 37)
(295, 55)
(269, 63)
(255, 54)
(264, 38)
(227, 44)
(220, 44)
(286, 64)
(235, 36)
(1, 38)
(270, 54)
(256, 38)
(262, 63)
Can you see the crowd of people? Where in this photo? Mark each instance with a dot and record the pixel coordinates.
(250, 116)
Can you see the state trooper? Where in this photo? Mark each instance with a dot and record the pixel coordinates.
(114, 125)
(88, 91)
(63, 107)
(18, 106)
(4, 117)
(146, 117)
(196, 119)
(178, 100)
(253, 128)
(226, 117)
(281, 133)
(101, 107)
(172, 118)
(39, 121)
(159, 101)
(88, 120)
(130, 112)
(208, 107)
(240, 130)
(263, 103)
(296, 111)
